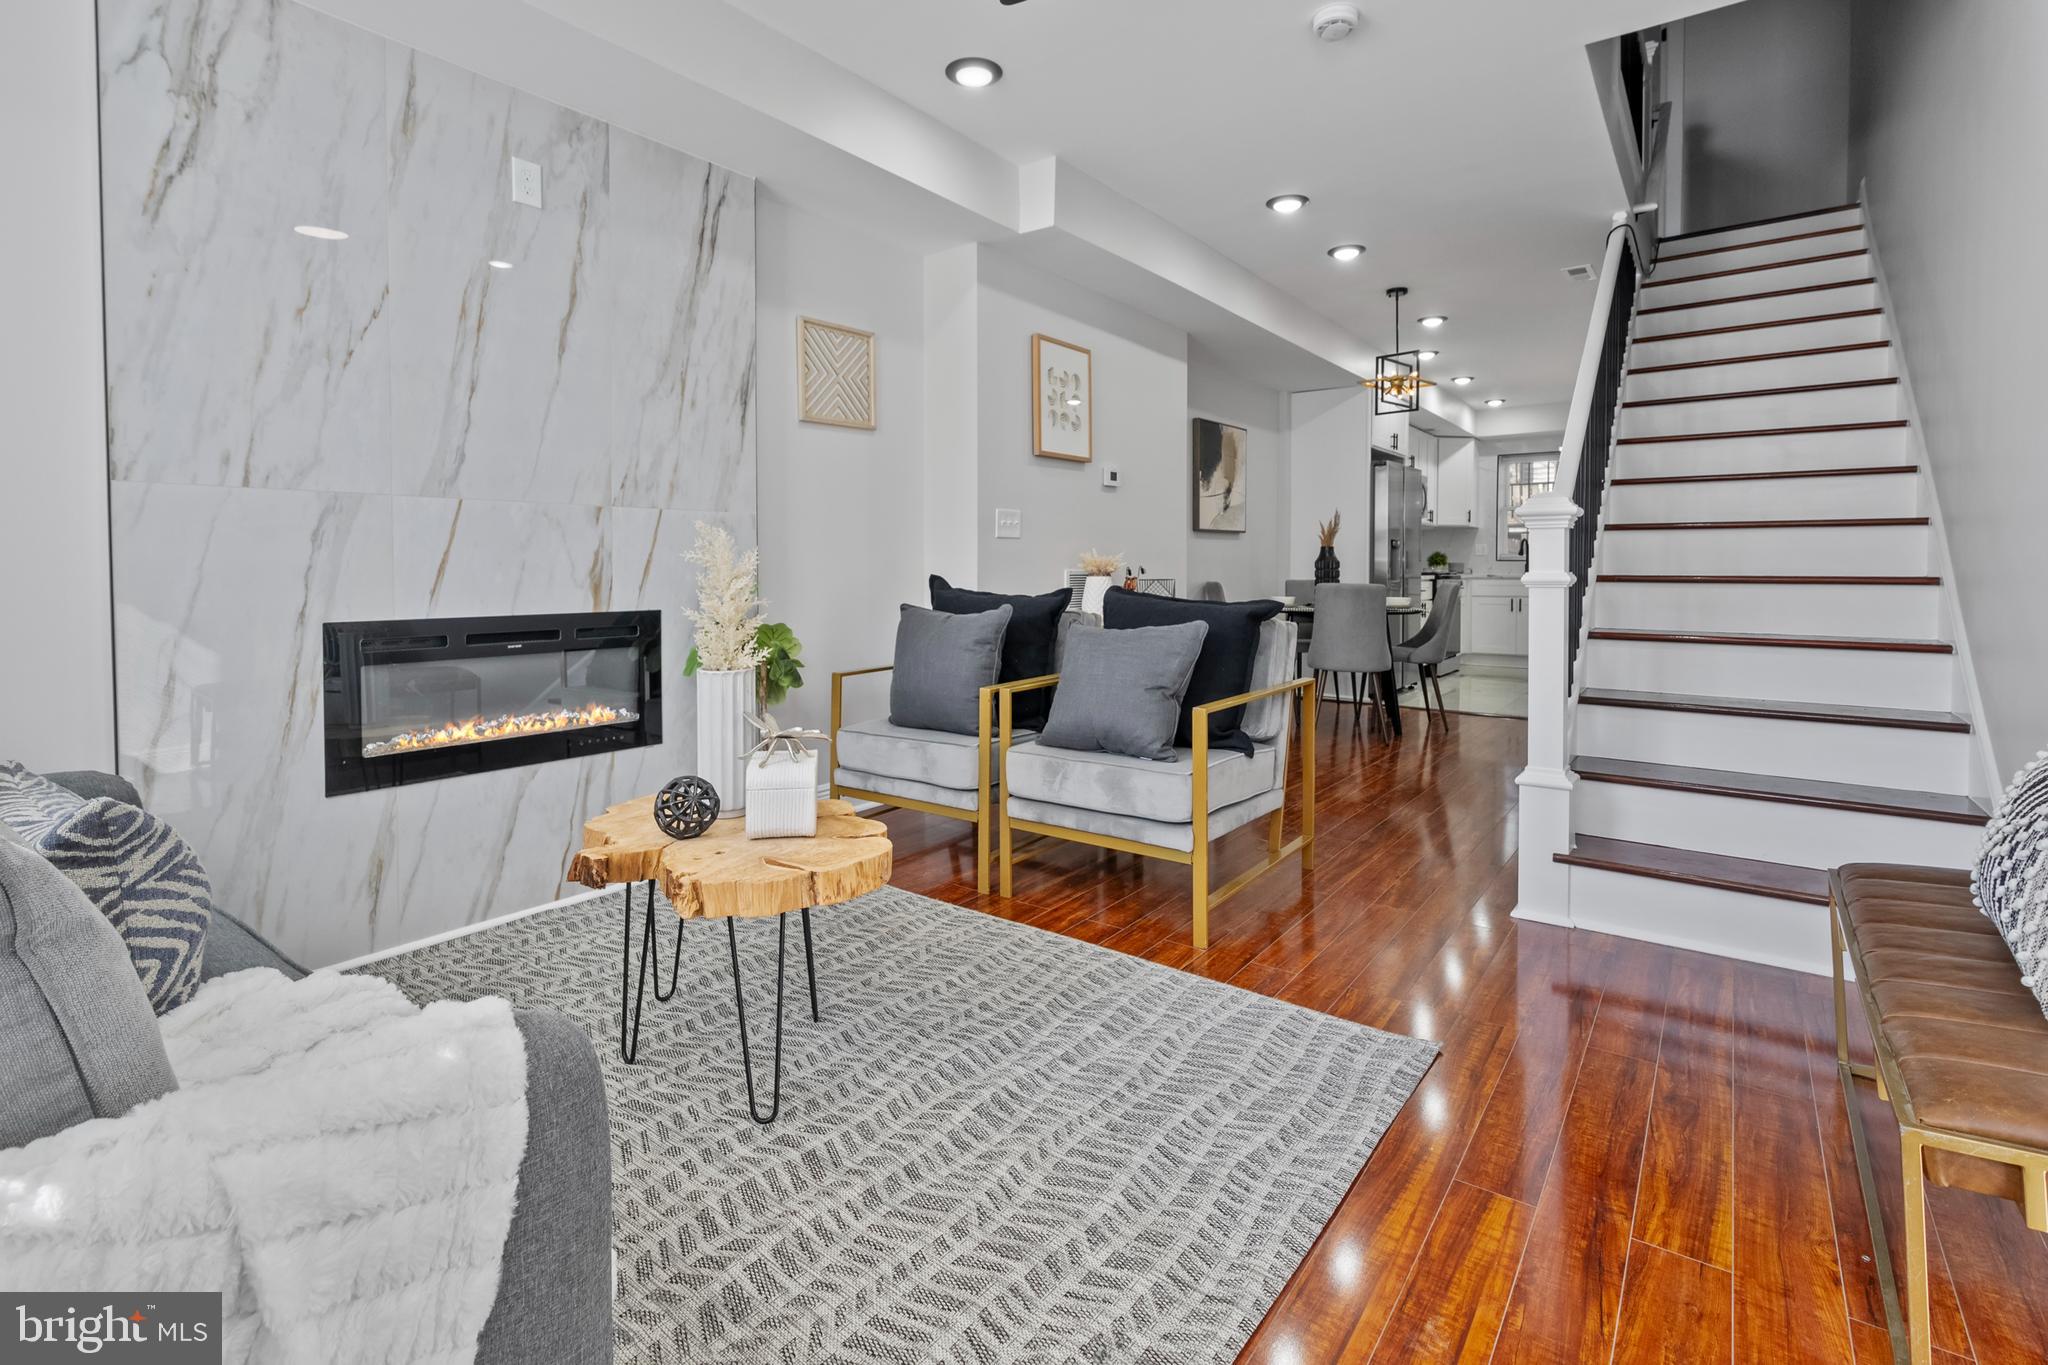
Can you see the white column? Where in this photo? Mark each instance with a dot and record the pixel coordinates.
(1543, 891)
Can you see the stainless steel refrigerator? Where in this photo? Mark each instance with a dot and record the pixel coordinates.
(1398, 500)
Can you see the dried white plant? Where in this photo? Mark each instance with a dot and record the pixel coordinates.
(727, 600)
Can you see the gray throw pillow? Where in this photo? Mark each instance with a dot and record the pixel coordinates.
(81, 1042)
(943, 660)
(2010, 879)
(132, 867)
(1120, 690)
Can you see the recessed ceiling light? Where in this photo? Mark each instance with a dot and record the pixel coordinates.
(973, 72)
(1435, 320)
(1349, 252)
(324, 234)
(1426, 355)
(1495, 402)
(501, 265)
(1287, 203)
(1461, 379)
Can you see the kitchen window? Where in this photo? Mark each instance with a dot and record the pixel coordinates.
(1522, 477)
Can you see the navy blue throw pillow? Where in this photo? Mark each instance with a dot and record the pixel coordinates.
(1028, 645)
(1225, 667)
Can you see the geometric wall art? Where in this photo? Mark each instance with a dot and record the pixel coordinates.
(835, 374)
(1062, 400)
(1222, 481)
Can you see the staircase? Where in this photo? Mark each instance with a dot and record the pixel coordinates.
(1766, 687)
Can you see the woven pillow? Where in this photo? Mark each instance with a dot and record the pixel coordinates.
(134, 869)
(2010, 880)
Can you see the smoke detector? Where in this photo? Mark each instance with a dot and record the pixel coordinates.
(1335, 23)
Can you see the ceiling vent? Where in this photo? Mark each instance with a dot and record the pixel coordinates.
(1335, 23)
(1579, 272)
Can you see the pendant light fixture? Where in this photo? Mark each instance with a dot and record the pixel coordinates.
(1397, 381)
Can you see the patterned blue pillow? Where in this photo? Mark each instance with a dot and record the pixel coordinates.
(132, 866)
(2010, 880)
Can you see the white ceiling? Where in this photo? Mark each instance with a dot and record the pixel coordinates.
(1460, 140)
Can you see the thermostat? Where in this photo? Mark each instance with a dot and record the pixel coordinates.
(1112, 477)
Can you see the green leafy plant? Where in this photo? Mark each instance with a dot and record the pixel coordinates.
(1439, 560)
(780, 670)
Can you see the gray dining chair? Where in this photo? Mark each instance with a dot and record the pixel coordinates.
(1351, 637)
(1212, 591)
(1427, 648)
(1302, 590)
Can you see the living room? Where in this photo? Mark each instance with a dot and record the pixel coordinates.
(1078, 554)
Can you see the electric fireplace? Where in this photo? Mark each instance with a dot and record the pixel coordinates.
(417, 701)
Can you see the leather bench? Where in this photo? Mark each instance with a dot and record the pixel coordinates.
(1962, 1056)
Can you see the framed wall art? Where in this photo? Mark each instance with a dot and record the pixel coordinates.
(835, 368)
(1062, 400)
(1222, 478)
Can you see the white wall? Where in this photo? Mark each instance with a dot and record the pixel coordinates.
(1140, 369)
(1765, 117)
(1330, 470)
(1948, 111)
(57, 677)
(1251, 564)
(838, 508)
(954, 519)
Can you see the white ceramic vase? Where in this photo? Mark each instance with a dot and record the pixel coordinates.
(725, 697)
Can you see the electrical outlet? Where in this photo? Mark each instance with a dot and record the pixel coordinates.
(525, 182)
(1009, 523)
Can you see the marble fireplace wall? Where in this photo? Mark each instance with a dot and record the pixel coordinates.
(304, 431)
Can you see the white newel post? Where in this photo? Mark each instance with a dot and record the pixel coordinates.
(1544, 890)
(724, 698)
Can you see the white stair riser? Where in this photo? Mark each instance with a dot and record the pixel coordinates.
(1858, 549)
(1848, 217)
(1858, 495)
(1852, 677)
(1879, 756)
(1804, 336)
(1829, 367)
(1780, 608)
(1761, 310)
(1765, 454)
(1820, 407)
(1680, 287)
(1702, 918)
(1680, 260)
(1774, 831)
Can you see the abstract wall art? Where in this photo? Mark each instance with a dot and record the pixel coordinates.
(1222, 479)
(1062, 400)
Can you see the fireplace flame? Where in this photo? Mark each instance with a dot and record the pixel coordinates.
(478, 729)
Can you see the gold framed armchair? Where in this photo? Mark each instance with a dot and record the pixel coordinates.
(1172, 811)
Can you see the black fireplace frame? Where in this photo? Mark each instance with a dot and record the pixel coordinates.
(346, 646)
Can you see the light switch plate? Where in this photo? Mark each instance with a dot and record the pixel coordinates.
(1009, 523)
(525, 182)
(1112, 477)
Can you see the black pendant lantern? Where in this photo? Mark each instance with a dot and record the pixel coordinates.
(1397, 381)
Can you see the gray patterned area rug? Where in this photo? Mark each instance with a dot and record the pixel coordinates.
(1000, 1145)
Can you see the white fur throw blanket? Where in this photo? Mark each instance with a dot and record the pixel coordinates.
(339, 1164)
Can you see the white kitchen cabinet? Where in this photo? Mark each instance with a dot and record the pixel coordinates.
(1455, 489)
(1495, 617)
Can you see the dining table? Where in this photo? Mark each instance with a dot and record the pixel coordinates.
(1305, 613)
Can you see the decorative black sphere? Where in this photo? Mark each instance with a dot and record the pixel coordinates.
(686, 807)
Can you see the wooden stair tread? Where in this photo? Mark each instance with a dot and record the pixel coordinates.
(1667, 257)
(1756, 297)
(1754, 269)
(1760, 393)
(1889, 424)
(1761, 356)
(1829, 712)
(1779, 881)
(1757, 222)
(1793, 580)
(1758, 326)
(1840, 472)
(1798, 791)
(1778, 524)
(1766, 640)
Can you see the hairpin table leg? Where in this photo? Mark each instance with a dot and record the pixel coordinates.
(810, 964)
(740, 1006)
(629, 1041)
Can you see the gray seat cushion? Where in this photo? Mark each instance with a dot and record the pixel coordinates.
(886, 787)
(1160, 833)
(80, 1039)
(942, 663)
(1143, 788)
(938, 758)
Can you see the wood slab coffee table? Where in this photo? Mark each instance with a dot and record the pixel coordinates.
(722, 874)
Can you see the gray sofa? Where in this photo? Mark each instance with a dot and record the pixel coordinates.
(554, 1303)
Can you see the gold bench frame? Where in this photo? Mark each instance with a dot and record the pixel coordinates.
(1915, 1345)
(976, 817)
(1196, 858)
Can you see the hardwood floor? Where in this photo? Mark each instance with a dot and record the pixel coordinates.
(1624, 1153)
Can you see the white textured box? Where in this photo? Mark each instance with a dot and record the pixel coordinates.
(782, 796)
